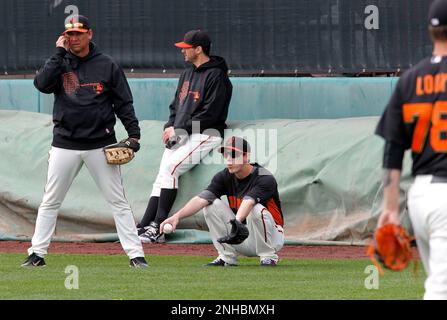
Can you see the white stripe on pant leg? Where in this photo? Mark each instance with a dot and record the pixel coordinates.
(162, 170)
(176, 162)
(156, 187)
(63, 166)
(261, 225)
(217, 216)
(187, 157)
(108, 179)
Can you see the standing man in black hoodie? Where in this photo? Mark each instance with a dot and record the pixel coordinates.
(89, 90)
(195, 127)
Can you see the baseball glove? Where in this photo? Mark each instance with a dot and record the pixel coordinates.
(391, 247)
(121, 152)
(239, 232)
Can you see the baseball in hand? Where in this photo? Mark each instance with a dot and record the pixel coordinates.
(167, 228)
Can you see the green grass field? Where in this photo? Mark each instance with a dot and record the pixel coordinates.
(177, 277)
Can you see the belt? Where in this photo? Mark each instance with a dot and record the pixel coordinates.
(437, 179)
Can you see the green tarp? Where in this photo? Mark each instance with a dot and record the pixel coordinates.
(328, 172)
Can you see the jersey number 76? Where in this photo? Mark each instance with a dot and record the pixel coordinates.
(427, 113)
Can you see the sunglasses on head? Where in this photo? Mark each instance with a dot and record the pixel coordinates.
(227, 153)
(74, 25)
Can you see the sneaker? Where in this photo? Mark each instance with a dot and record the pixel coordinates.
(141, 230)
(34, 260)
(145, 238)
(218, 262)
(151, 233)
(148, 238)
(266, 262)
(160, 238)
(138, 262)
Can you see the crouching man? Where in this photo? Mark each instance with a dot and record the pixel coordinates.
(254, 210)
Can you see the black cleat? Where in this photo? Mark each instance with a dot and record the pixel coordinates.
(138, 262)
(218, 262)
(34, 260)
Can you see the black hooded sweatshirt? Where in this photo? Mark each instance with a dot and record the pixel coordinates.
(88, 93)
(203, 94)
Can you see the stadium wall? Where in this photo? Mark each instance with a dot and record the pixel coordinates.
(253, 98)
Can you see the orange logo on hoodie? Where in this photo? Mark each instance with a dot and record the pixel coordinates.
(183, 92)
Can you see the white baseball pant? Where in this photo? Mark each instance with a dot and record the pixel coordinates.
(63, 167)
(265, 240)
(427, 205)
(177, 161)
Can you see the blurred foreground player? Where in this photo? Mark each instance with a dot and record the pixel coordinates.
(416, 118)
